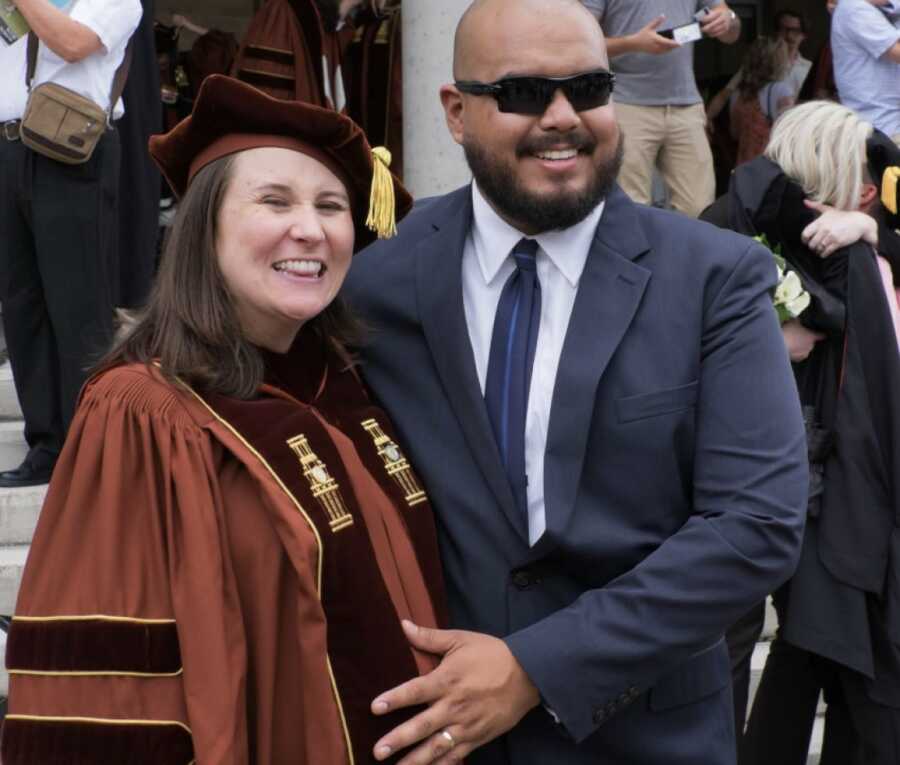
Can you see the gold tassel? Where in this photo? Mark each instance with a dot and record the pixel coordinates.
(382, 217)
(889, 182)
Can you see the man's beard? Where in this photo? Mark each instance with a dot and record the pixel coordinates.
(541, 212)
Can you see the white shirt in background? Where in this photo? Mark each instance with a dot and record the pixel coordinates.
(113, 21)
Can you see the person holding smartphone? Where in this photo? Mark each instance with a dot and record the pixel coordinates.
(657, 101)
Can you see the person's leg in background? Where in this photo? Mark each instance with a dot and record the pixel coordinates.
(26, 323)
(76, 241)
(858, 730)
(57, 306)
(784, 709)
(643, 128)
(741, 639)
(781, 720)
(685, 160)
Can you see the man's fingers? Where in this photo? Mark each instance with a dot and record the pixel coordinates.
(430, 640)
(425, 725)
(419, 690)
(717, 23)
(444, 746)
(458, 753)
(656, 23)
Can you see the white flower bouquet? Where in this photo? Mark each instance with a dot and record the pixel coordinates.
(790, 299)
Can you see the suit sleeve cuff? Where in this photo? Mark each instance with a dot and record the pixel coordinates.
(560, 696)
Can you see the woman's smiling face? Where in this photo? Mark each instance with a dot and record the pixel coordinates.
(284, 241)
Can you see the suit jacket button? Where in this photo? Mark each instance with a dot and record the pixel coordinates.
(522, 579)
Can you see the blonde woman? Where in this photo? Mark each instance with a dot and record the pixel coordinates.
(838, 613)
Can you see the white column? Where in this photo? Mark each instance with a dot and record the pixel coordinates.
(432, 162)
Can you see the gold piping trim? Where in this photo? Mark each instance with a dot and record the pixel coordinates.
(99, 721)
(90, 673)
(91, 617)
(267, 466)
(340, 706)
(274, 475)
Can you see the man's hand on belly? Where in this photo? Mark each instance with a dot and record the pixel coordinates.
(478, 692)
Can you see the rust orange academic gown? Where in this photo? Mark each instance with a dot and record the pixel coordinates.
(199, 589)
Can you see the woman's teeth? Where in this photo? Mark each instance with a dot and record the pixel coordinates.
(302, 267)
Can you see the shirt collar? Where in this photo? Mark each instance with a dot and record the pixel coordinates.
(494, 239)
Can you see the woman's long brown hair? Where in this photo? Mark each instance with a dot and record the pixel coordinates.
(189, 325)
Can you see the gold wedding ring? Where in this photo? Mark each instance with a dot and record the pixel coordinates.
(446, 734)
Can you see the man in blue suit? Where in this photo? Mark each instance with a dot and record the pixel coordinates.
(599, 400)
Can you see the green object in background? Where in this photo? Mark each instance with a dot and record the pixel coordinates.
(12, 23)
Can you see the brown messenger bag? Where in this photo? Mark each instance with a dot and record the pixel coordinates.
(62, 124)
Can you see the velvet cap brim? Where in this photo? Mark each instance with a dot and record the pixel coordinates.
(231, 116)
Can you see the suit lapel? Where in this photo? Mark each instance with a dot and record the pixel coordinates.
(609, 293)
(438, 261)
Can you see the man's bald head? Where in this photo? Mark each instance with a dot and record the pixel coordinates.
(484, 18)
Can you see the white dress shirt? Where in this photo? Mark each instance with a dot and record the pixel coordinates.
(486, 266)
(113, 21)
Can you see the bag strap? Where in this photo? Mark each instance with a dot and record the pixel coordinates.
(119, 78)
(32, 59)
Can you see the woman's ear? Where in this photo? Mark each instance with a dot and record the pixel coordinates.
(867, 196)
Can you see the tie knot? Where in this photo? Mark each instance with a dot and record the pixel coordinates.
(524, 253)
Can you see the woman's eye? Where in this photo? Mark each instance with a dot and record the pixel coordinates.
(332, 206)
(274, 201)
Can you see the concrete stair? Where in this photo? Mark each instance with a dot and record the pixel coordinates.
(19, 508)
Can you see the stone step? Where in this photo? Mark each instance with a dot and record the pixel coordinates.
(9, 402)
(12, 443)
(12, 563)
(19, 510)
(815, 744)
(771, 623)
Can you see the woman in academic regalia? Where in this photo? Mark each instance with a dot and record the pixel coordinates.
(232, 534)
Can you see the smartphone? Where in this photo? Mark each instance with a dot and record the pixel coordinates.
(686, 33)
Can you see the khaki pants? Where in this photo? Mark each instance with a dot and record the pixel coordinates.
(672, 138)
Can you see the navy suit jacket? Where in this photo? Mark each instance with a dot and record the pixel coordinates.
(675, 475)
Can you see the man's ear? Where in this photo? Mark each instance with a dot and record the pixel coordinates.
(452, 101)
(867, 195)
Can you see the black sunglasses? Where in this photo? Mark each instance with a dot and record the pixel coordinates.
(532, 95)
